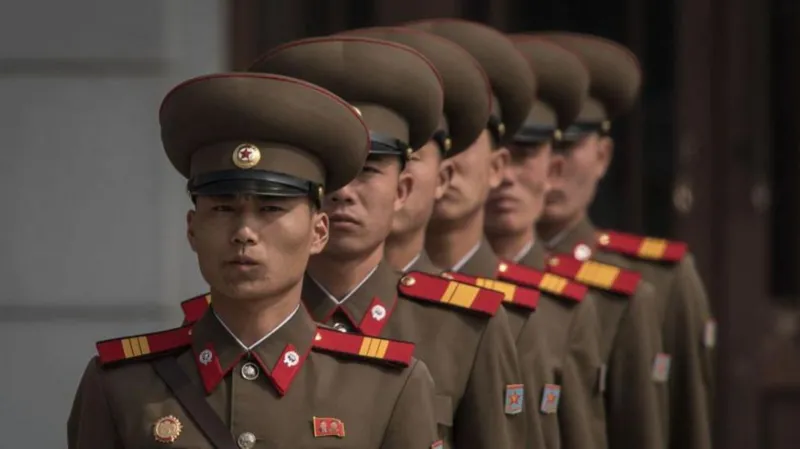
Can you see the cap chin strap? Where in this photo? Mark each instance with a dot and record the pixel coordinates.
(383, 144)
(254, 182)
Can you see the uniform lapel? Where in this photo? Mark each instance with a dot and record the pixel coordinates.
(216, 352)
(372, 304)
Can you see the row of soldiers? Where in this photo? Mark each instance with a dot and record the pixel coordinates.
(393, 225)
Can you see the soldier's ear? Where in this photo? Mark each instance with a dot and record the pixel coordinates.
(404, 185)
(605, 153)
(190, 229)
(501, 157)
(446, 171)
(320, 231)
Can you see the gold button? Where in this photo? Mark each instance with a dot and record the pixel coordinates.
(604, 239)
(553, 262)
(408, 281)
(503, 267)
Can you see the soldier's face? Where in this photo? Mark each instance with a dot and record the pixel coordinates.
(431, 176)
(254, 247)
(574, 173)
(361, 212)
(476, 171)
(515, 205)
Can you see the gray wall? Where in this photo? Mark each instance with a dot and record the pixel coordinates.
(92, 215)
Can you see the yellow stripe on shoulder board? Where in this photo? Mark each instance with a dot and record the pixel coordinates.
(135, 346)
(652, 248)
(504, 287)
(373, 347)
(597, 274)
(553, 283)
(460, 294)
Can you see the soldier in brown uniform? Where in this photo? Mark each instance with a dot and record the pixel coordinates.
(634, 377)
(571, 355)
(461, 331)
(256, 371)
(688, 328)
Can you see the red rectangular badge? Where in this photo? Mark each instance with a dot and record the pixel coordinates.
(328, 427)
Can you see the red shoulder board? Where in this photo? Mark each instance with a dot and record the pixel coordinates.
(393, 352)
(546, 282)
(522, 297)
(146, 345)
(428, 287)
(595, 274)
(194, 308)
(646, 248)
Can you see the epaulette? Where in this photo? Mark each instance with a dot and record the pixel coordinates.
(522, 297)
(428, 287)
(393, 352)
(546, 282)
(647, 248)
(595, 274)
(143, 346)
(194, 308)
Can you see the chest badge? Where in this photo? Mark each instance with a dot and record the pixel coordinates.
(167, 429)
(328, 427)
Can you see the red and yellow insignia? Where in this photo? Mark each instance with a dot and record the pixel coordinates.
(428, 287)
(512, 294)
(138, 346)
(370, 348)
(596, 274)
(167, 429)
(647, 248)
(546, 282)
(195, 308)
(328, 427)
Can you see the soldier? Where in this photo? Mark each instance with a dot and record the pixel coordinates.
(689, 332)
(564, 320)
(256, 371)
(636, 368)
(461, 331)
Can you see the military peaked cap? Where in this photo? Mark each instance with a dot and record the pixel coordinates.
(562, 88)
(467, 92)
(513, 83)
(396, 90)
(615, 79)
(261, 134)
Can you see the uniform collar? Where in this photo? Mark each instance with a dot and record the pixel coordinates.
(367, 307)
(424, 264)
(567, 241)
(280, 354)
(482, 263)
(535, 258)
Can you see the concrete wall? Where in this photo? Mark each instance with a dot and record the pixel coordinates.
(91, 213)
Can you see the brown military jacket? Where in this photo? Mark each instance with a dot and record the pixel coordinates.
(302, 387)
(689, 331)
(632, 377)
(484, 264)
(567, 326)
(467, 347)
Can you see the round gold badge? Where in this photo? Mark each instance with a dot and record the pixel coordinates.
(604, 239)
(503, 267)
(167, 429)
(246, 156)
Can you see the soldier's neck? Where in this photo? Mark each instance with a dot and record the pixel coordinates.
(340, 274)
(509, 245)
(250, 320)
(401, 249)
(448, 243)
(547, 230)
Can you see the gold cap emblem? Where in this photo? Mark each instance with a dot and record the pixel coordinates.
(167, 429)
(246, 156)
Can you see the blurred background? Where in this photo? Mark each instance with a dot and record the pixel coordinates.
(92, 240)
